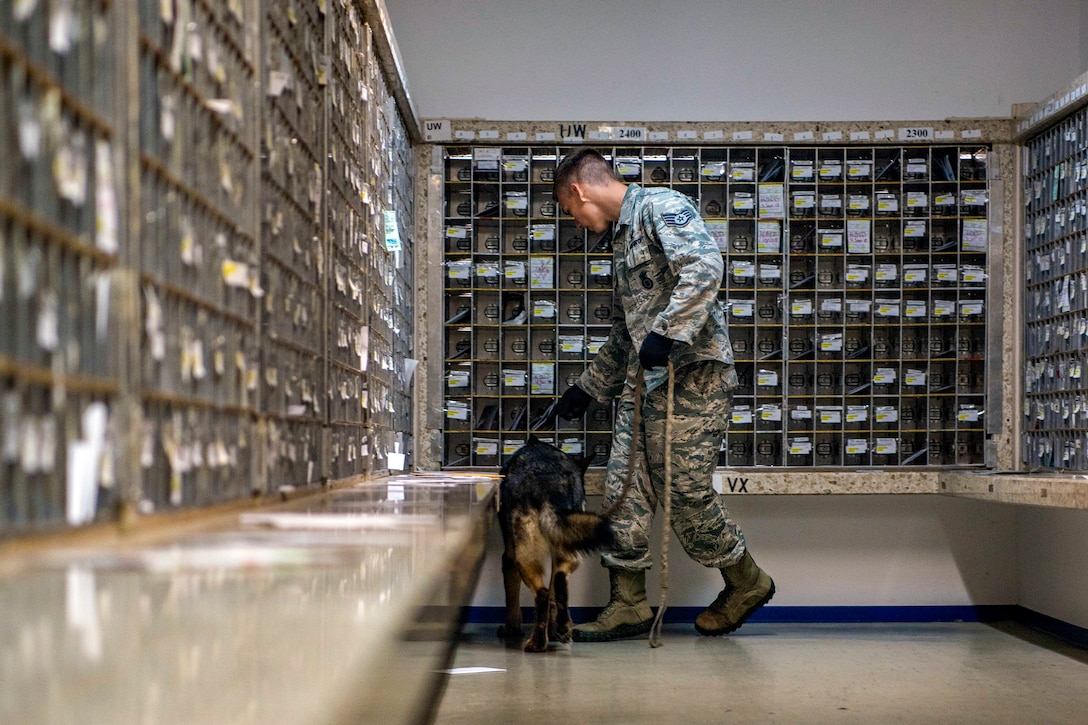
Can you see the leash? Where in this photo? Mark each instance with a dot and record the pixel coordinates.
(632, 457)
(655, 628)
(546, 417)
(640, 382)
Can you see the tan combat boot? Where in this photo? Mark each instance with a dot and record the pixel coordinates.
(747, 588)
(628, 613)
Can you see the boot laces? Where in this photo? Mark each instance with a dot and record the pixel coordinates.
(723, 596)
(610, 608)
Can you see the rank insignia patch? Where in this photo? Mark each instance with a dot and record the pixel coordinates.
(678, 219)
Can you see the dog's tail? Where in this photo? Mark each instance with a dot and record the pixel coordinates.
(577, 531)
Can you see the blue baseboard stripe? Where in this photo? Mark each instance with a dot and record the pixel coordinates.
(1070, 633)
(798, 615)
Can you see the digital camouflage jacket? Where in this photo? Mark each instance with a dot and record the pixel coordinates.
(667, 271)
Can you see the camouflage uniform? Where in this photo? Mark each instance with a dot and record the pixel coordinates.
(668, 271)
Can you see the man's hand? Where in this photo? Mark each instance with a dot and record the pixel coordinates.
(655, 351)
(573, 404)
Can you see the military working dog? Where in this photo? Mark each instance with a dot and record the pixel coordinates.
(542, 512)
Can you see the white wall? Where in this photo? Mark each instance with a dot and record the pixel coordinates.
(1084, 37)
(837, 551)
(736, 60)
(1053, 546)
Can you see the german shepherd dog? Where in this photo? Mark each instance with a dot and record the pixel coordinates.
(542, 512)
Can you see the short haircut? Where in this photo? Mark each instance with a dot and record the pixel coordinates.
(584, 166)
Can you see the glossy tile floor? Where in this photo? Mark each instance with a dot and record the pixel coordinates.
(778, 673)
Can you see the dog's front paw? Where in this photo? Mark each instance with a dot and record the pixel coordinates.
(560, 632)
(536, 643)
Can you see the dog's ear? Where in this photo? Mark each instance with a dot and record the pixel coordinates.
(583, 461)
(532, 439)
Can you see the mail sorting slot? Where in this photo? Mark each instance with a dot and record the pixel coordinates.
(224, 472)
(768, 449)
(458, 450)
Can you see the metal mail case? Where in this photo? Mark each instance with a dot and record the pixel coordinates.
(855, 292)
(1055, 213)
(200, 266)
(181, 278)
(61, 245)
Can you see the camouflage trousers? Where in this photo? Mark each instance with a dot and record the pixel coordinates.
(703, 401)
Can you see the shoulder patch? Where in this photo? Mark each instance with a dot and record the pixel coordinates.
(678, 219)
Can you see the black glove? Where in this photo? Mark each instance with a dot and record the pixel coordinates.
(573, 403)
(655, 351)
